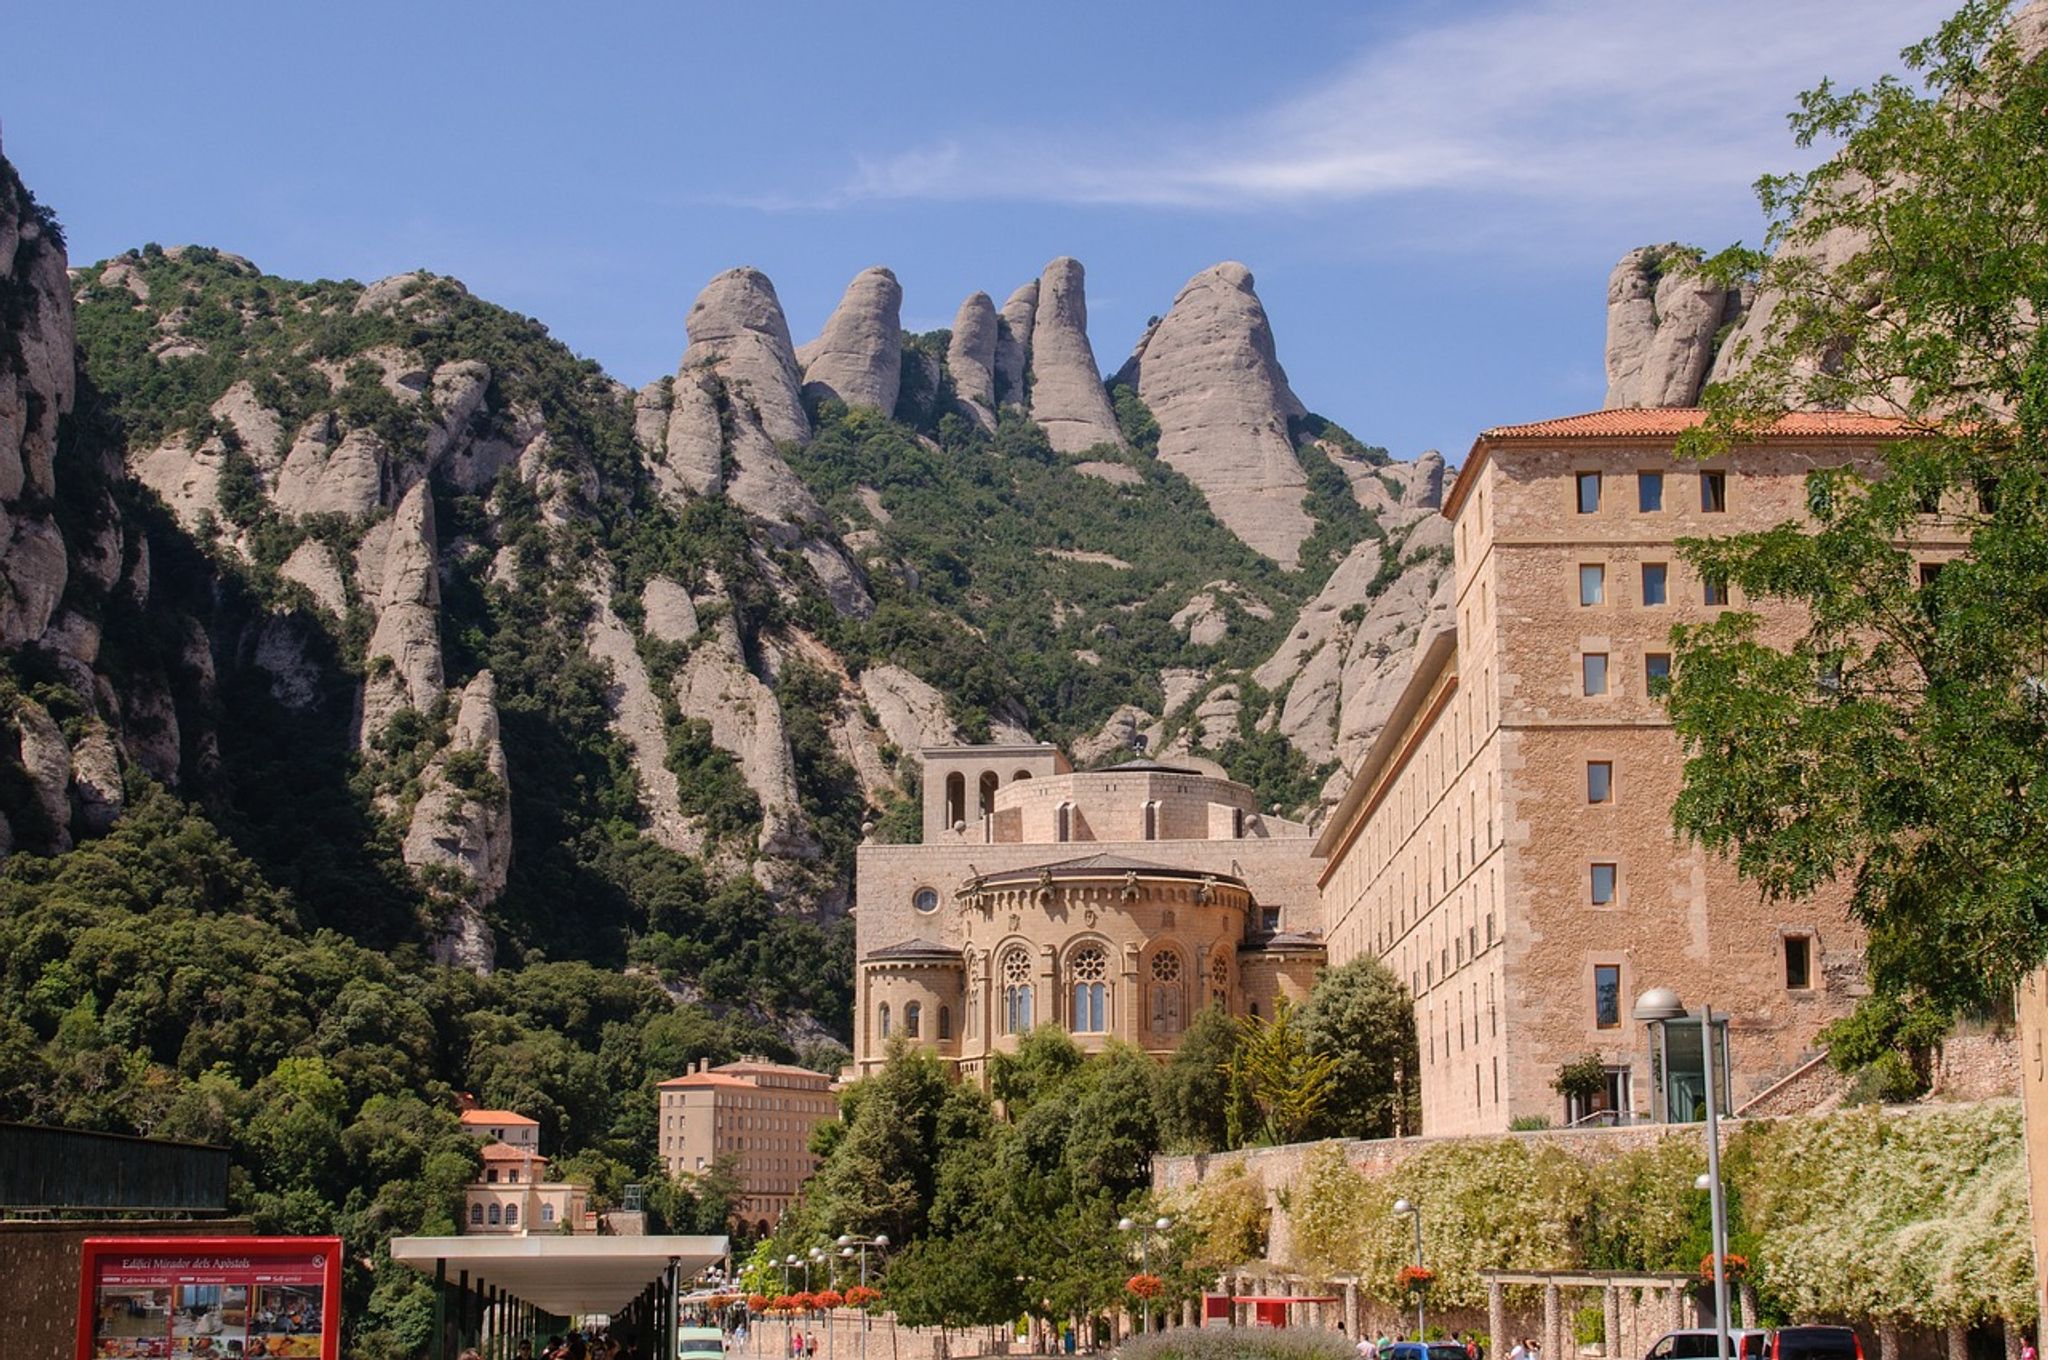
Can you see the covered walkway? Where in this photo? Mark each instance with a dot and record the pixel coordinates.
(489, 1292)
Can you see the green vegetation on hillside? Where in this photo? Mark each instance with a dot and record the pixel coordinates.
(153, 982)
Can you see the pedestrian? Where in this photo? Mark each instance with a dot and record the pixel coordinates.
(2027, 1351)
(811, 1347)
(1368, 1349)
(1471, 1346)
(1521, 1350)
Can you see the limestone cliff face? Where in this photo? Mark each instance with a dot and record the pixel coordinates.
(1014, 329)
(858, 358)
(1213, 381)
(404, 654)
(971, 358)
(717, 687)
(1067, 395)
(737, 393)
(38, 384)
(1663, 325)
(460, 834)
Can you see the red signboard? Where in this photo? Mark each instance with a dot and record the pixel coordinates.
(210, 1298)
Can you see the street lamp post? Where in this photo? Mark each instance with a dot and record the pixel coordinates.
(1145, 1232)
(848, 1245)
(1661, 1003)
(1402, 1206)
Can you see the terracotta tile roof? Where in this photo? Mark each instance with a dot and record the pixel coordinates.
(505, 1152)
(471, 1117)
(697, 1079)
(758, 1066)
(1649, 422)
(1660, 422)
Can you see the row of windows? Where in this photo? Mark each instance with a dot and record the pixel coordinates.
(1593, 673)
(1797, 954)
(1650, 492)
(507, 1217)
(1655, 588)
(913, 1020)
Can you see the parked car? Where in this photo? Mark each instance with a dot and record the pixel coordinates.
(1816, 1343)
(1700, 1343)
(1415, 1350)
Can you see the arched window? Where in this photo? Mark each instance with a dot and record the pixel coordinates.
(1065, 829)
(496, 1216)
(511, 1215)
(1166, 995)
(913, 1017)
(956, 800)
(1152, 820)
(1016, 992)
(1237, 824)
(1020, 776)
(1088, 971)
(988, 792)
(1219, 981)
(476, 1215)
(547, 1213)
(945, 1023)
(883, 1016)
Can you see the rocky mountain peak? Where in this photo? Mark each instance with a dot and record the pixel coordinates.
(1013, 344)
(1067, 395)
(857, 358)
(1664, 323)
(736, 327)
(1209, 372)
(971, 358)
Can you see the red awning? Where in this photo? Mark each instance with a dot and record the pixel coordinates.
(1285, 1298)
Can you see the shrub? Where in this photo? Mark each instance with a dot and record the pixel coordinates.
(1238, 1343)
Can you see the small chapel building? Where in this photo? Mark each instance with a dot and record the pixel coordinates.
(1114, 903)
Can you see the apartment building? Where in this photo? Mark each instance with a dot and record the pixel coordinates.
(755, 1115)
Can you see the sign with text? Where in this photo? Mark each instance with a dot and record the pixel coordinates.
(210, 1298)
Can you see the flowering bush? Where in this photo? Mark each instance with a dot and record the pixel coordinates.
(829, 1298)
(1736, 1266)
(801, 1303)
(779, 1304)
(860, 1296)
(1414, 1279)
(1145, 1286)
(757, 1303)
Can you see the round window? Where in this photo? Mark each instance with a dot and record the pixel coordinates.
(925, 899)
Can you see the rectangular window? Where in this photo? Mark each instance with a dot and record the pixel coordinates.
(1657, 672)
(1649, 492)
(1603, 884)
(1599, 781)
(1592, 584)
(1589, 493)
(1713, 492)
(1929, 571)
(1593, 672)
(1655, 577)
(1607, 996)
(1799, 962)
(1713, 592)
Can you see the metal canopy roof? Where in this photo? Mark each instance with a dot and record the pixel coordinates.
(566, 1276)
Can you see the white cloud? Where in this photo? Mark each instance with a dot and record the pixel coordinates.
(1559, 100)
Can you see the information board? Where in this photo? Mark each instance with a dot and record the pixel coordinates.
(210, 1298)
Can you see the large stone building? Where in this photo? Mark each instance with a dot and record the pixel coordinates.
(1505, 846)
(755, 1115)
(1113, 903)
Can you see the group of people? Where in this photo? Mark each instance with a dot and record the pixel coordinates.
(803, 1347)
(1374, 1347)
(600, 1345)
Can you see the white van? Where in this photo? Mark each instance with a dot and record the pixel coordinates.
(693, 1343)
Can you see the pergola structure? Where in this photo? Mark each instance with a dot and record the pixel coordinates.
(1669, 1290)
(491, 1291)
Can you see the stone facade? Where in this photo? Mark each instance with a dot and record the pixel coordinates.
(755, 1115)
(1506, 845)
(1114, 903)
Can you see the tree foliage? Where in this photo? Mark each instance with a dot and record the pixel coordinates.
(1894, 735)
(1361, 1017)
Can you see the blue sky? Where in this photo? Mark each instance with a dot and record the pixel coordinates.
(1430, 192)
